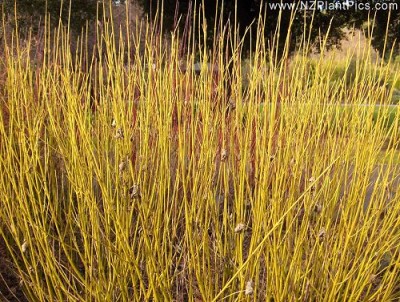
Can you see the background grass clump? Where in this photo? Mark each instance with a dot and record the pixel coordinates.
(126, 177)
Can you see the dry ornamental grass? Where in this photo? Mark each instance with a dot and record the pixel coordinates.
(121, 182)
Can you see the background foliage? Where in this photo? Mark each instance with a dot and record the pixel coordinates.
(247, 11)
